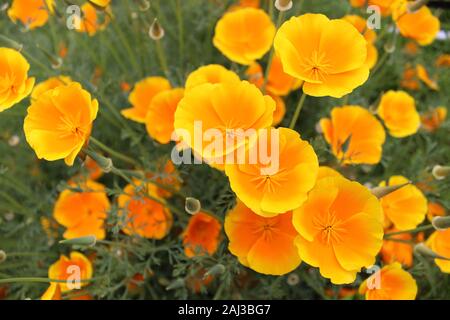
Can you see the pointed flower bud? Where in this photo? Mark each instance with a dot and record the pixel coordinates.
(440, 172)
(176, 284)
(192, 205)
(156, 32)
(216, 270)
(380, 192)
(441, 223)
(86, 241)
(423, 250)
(2, 256)
(283, 5)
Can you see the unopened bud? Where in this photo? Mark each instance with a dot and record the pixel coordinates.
(216, 270)
(440, 172)
(104, 163)
(86, 241)
(144, 5)
(14, 140)
(293, 279)
(2, 256)
(283, 5)
(192, 205)
(441, 223)
(4, 6)
(416, 5)
(156, 32)
(176, 284)
(380, 192)
(423, 250)
(389, 47)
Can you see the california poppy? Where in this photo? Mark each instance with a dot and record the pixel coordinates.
(212, 73)
(66, 268)
(398, 251)
(443, 60)
(394, 284)
(53, 292)
(142, 95)
(245, 35)
(32, 14)
(49, 84)
(406, 207)
(265, 245)
(438, 242)
(435, 209)
(354, 134)
(329, 55)
(201, 235)
(59, 122)
(433, 119)
(91, 22)
(422, 73)
(340, 228)
(398, 111)
(16, 84)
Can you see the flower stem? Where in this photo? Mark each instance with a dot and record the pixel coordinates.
(37, 279)
(161, 58)
(112, 152)
(179, 14)
(416, 230)
(297, 110)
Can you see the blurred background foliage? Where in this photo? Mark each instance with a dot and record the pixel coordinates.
(123, 52)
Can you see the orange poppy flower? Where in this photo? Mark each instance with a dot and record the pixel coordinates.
(435, 209)
(443, 60)
(69, 268)
(394, 284)
(395, 251)
(354, 134)
(125, 86)
(144, 212)
(357, 3)
(433, 119)
(409, 80)
(82, 213)
(32, 14)
(94, 171)
(142, 95)
(398, 111)
(91, 22)
(384, 5)
(423, 75)
(438, 242)
(59, 122)
(329, 55)
(201, 235)
(50, 83)
(165, 175)
(272, 188)
(245, 35)
(280, 109)
(340, 228)
(411, 48)
(420, 25)
(265, 245)
(63, 50)
(222, 107)
(197, 280)
(244, 4)
(53, 292)
(406, 207)
(213, 73)
(327, 172)
(15, 84)
(161, 114)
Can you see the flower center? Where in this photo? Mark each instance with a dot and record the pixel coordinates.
(69, 127)
(318, 66)
(330, 230)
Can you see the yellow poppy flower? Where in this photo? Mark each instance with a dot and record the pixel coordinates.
(433, 119)
(32, 14)
(213, 73)
(50, 83)
(438, 242)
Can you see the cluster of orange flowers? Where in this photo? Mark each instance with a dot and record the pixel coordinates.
(303, 211)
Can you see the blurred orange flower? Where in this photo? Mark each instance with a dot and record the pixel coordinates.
(244, 4)
(409, 79)
(196, 281)
(222, 107)
(142, 95)
(411, 48)
(420, 25)
(66, 269)
(394, 284)
(32, 14)
(423, 75)
(59, 122)
(354, 134)
(406, 207)
(15, 84)
(212, 73)
(272, 188)
(433, 119)
(398, 111)
(82, 213)
(201, 235)
(439, 243)
(125, 86)
(91, 22)
(50, 83)
(397, 251)
(161, 114)
(443, 60)
(435, 209)
(265, 245)
(329, 55)
(53, 292)
(93, 169)
(245, 35)
(144, 212)
(340, 228)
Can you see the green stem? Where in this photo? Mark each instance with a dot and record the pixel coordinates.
(112, 152)
(297, 111)
(161, 58)
(37, 279)
(416, 230)
(127, 46)
(179, 14)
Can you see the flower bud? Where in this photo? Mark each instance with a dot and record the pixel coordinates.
(176, 284)
(192, 205)
(144, 5)
(441, 223)
(423, 250)
(14, 140)
(293, 279)
(283, 5)
(440, 172)
(380, 192)
(216, 270)
(86, 241)
(2, 256)
(156, 32)
(416, 5)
